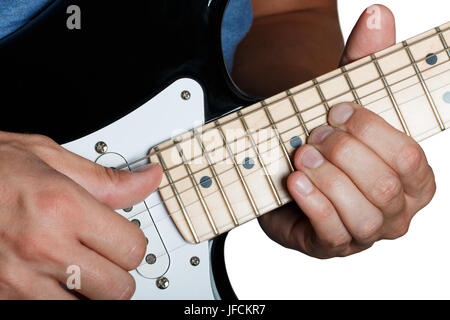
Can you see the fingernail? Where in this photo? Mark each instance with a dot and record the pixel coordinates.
(303, 185)
(341, 113)
(318, 135)
(145, 167)
(312, 158)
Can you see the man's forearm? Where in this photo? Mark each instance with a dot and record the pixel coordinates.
(285, 49)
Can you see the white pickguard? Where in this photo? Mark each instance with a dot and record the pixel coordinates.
(129, 139)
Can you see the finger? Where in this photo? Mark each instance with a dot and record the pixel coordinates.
(360, 217)
(116, 188)
(331, 236)
(91, 222)
(374, 31)
(109, 234)
(98, 277)
(396, 149)
(30, 285)
(380, 184)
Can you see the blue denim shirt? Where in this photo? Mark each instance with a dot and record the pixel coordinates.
(237, 21)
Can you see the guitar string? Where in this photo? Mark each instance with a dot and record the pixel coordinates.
(283, 157)
(296, 114)
(439, 33)
(376, 59)
(350, 91)
(292, 128)
(286, 141)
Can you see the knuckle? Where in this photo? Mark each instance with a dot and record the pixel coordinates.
(333, 183)
(108, 177)
(124, 288)
(39, 143)
(410, 159)
(136, 251)
(33, 246)
(428, 187)
(341, 148)
(362, 128)
(53, 201)
(386, 189)
(336, 242)
(368, 230)
(399, 230)
(38, 139)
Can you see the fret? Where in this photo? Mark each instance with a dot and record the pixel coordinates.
(350, 85)
(238, 170)
(425, 88)
(177, 196)
(310, 105)
(260, 160)
(391, 96)
(283, 147)
(408, 85)
(197, 190)
(319, 90)
(217, 180)
(297, 112)
(444, 42)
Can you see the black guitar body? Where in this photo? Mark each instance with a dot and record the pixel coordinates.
(69, 83)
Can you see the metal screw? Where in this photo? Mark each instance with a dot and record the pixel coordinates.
(195, 261)
(162, 283)
(150, 258)
(101, 147)
(185, 95)
(136, 222)
(128, 209)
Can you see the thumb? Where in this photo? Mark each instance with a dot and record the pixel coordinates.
(374, 31)
(117, 189)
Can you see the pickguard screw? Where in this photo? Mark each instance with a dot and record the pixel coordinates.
(195, 261)
(101, 147)
(162, 283)
(150, 259)
(128, 209)
(186, 95)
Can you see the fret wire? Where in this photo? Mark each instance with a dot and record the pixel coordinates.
(425, 88)
(238, 170)
(216, 178)
(261, 161)
(391, 96)
(350, 85)
(298, 113)
(366, 106)
(283, 147)
(444, 42)
(197, 189)
(279, 159)
(390, 108)
(177, 196)
(337, 96)
(319, 90)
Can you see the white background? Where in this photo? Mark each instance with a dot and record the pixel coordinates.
(416, 266)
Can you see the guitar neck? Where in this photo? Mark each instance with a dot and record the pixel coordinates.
(232, 170)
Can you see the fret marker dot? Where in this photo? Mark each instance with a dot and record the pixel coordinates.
(205, 182)
(446, 97)
(296, 142)
(431, 59)
(248, 163)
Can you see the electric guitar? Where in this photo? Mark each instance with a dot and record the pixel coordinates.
(128, 87)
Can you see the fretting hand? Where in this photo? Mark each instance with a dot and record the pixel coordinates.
(358, 180)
